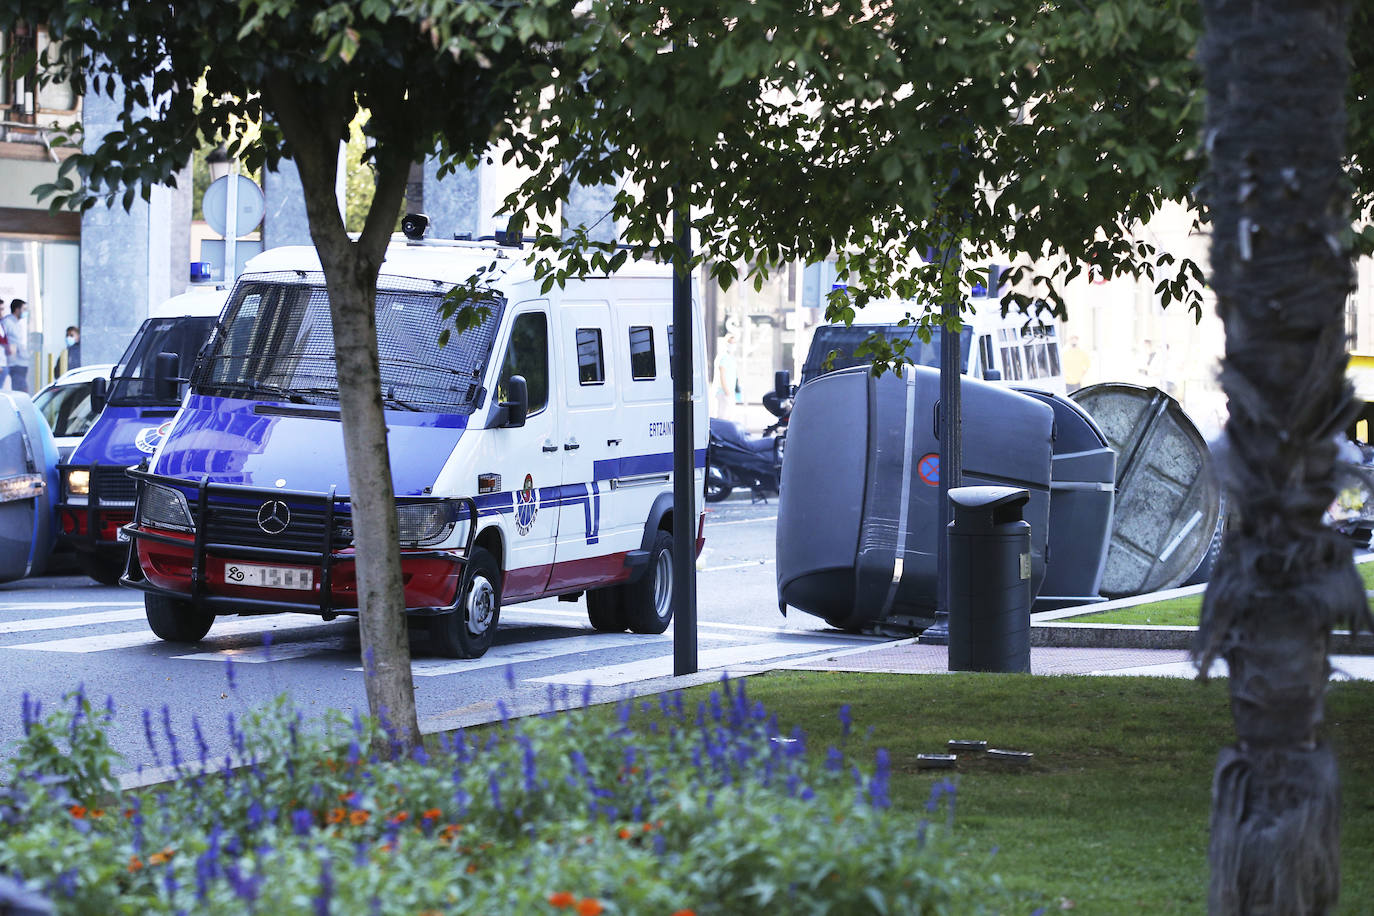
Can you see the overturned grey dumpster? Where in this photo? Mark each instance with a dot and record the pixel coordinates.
(1082, 500)
(1167, 499)
(857, 515)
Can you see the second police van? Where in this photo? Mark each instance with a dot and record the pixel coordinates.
(243, 507)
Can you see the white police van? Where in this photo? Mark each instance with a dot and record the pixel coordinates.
(550, 422)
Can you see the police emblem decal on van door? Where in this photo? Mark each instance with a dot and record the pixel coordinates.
(150, 437)
(526, 506)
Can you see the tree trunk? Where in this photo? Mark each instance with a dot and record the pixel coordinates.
(1275, 76)
(313, 126)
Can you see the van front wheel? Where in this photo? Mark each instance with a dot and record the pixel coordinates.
(648, 602)
(469, 631)
(605, 609)
(175, 619)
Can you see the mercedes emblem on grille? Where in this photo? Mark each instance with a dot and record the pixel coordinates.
(274, 516)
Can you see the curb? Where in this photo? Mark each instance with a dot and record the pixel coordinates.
(1124, 636)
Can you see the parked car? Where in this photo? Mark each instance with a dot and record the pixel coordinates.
(66, 405)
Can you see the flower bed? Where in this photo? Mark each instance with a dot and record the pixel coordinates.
(658, 809)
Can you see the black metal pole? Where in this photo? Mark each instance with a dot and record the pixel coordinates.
(951, 463)
(684, 455)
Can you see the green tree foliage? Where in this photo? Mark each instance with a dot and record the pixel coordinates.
(874, 132)
(275, 78)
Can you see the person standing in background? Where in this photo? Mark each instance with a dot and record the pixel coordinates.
(17, 346)
(725, 377)
(4, 353)
(1076, 362)
(71, 356)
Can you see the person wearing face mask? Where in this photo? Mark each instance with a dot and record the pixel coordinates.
(17, 348)
(71, 355)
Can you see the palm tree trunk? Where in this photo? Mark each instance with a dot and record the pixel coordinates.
(1275, 73)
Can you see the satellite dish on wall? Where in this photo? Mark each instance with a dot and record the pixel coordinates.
(249, 210)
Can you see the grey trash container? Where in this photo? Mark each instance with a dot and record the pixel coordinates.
(989, 580)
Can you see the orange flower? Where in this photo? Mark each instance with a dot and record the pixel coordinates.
(625, 833)
(162, 857)
(589, 907)
(97, 812)
(433, 814)
(77, 811)
(400, 817)
(358, 818)
(135, 864)
(685, 913)
(348, 796)
(562, 899)
(336, 815)
(472, 867)
(647, 827)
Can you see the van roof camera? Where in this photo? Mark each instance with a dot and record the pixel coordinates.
(413, 225)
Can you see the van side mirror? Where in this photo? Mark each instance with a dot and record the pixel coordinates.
(166, 369)
(992, 375)
(782, 384)
(100, 392)
(518, 407)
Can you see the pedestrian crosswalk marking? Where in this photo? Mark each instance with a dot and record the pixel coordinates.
(145, 637)
(709, 659)
(134, 612)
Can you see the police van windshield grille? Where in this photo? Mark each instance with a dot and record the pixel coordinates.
(277, 343)
(133, 381)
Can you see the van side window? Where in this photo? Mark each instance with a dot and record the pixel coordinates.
(672, 354)
(642, 365)
(1009, 342)
(528, 355)
(985, 351)
(591, 366)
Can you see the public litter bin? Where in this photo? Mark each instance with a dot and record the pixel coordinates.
(989, 580)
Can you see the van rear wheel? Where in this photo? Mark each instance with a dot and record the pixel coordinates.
(469, 631)
(648, 601)
(175, 619)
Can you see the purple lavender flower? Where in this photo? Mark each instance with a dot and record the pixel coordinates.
(510, 676)
(326, 893)
(302, 821)
(148, 736)
(171, 735)
(845, 720)
(229, 673)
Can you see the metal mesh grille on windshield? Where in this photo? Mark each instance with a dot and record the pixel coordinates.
(277, 343)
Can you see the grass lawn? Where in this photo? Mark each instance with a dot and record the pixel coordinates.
(1178, 612)
(1111, 817)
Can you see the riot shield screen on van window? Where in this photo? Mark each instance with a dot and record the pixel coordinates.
(133, 382)
(277, 343)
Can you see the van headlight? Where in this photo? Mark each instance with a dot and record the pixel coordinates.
(79, 481)
(164, 507)
(429, 523)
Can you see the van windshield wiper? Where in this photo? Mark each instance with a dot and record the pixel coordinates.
(389, 399)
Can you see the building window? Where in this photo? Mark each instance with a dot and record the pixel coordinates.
(591, 366)
(642, 364)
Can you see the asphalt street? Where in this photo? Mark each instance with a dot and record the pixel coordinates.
(59, 632)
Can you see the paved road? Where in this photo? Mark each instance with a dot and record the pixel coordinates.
(60, 631)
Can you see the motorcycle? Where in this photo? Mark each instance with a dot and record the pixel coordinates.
(735, 459)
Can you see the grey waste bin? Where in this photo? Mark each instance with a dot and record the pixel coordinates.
(989, 580)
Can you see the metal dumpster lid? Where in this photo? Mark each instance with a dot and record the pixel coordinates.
(1167, 498)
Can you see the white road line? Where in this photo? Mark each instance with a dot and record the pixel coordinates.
(753, 565)
(616, 675)
(712, 625)
(499, 656)
(71, 620)
(256, 655)
(742, 521)
(65, 605)
(233, 627)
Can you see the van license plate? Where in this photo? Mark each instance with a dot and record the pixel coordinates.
(269, 576)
